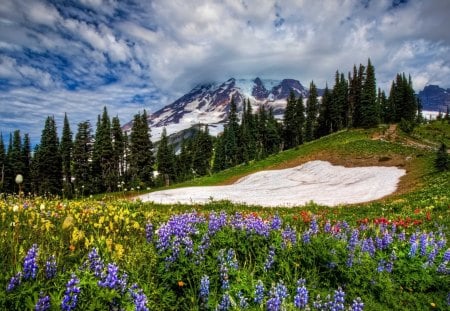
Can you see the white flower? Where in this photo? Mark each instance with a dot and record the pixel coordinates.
(15, 208)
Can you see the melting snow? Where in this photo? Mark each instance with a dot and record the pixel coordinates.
(317, 181)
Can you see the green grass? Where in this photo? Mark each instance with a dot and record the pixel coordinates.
(435, 132)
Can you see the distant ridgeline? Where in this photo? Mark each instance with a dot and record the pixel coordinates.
(435, 98)
(251, 121)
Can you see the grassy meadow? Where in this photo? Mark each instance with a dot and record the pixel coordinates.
(113, 253)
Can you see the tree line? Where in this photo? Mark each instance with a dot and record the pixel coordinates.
(111, 160)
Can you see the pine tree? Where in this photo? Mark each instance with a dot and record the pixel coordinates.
(9, 183)
(299, 119)
(50, 164)
(324, 118)
(118, 141)
(273, 140)
(370, 115)
(165, 160)
(311, 113)
(442, 161)
(231, 137)
(184, 161)
(66, 157)
(82, 155)
(141, 152)
(290, 137)
(202, 153)
(26, 158)
(338, 103)
(219, 162)
(358, 80)
(2, 163)
(15, 157)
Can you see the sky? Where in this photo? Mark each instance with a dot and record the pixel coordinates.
(60, 56)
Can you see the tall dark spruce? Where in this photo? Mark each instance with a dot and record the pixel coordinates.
(311, 113)
(165, 160)
(81, 157)
(66, 157)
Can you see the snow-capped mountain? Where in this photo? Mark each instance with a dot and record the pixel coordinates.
(434, 98)
(209, 104)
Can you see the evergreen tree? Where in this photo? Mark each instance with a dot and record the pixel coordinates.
(299, 120)
(66, 157)
(231, 137)
(103, 168)
(165, 159)
(141, 151)
(247, 134)
(202, 153)
(338, 103)
(118, 141)
(82, 155)
(2, 163)
(311, 113)
(273, 131)
(324, 118)
(184, 161)
(26, 158)
(370, 115)
(219, 163)
(402, 101)
(442, 161)
(15, 157)
(290, 130)
(355, 94)
(9, 170)
(49, 162)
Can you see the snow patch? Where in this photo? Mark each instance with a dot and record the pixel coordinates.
(317, 181)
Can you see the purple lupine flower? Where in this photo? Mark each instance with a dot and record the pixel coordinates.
(95, 262)
(338, 300)
(401, 236)
(30, 267)
(423, 242)
(386, 239)
(432, 255)
(223, 270)
(270, 259)
(368, 246)
(70, 298)
(203, 246)
(149, 231)
(50, 267)
(122, 283)
(301, 298)
(231, 259)
(289, 236)
(327, 227)
(276, 222)
(188, 245)
(204, 289)
(139, 298)
(43, 303)
(259, 292)
(225, 303)
(357, 305)
(314, 227)
(350, 258)
(14, 281)
(243, 301)
(353, 241)
(306, 237)
(237, 221)
(381, 264)
(110, 280)
(254, 224)
(216, 222)
(277, 295)
(447, 255)
(413, 249)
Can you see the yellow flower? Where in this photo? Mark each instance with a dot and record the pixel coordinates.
(77, 235)
(68, 222)
(118, 251)
(109, 243)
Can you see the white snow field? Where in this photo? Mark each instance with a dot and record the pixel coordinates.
(317, 181)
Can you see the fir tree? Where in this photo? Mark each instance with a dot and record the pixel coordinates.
(442, 161)
(82, 155)
(324, 118)
(141, 152)
(26, 158)
(118, 141)
(290, 132)
(202, 153)
(311, 113)
(49, 161)
(299, 120)
(184, 161)
(369, 108)
(231, 137)
(165, 159)
(2, 162)
(15, 157)
(66, 157)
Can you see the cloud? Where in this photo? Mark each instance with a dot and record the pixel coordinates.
(79, 56)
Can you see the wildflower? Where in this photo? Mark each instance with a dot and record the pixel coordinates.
(111, 278)
(353, 241)
(381, 264)
(289, 236)
(30, 267)
(277, 295)
(306, 237)
(301, 298)
(43, 304)
(423, 241)
(243, 301)
(413, 249)
(327, 227)
(139, 298)
(368, 246)
(14, 282)
(259, 292)
(276, 222)
(204, 289)
(357, 305)
(349, 262)
(338, 300)
(225, 303)
(149, 232)
(95, 262)
(216, 222)
(70, 298)
(50, 267)
(270, 259)
(313, 227)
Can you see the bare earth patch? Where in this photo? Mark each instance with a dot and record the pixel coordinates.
(317, 181)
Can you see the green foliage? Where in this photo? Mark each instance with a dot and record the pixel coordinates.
(81, 155)
(66, 157)
(311, 113)
(442, 161)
